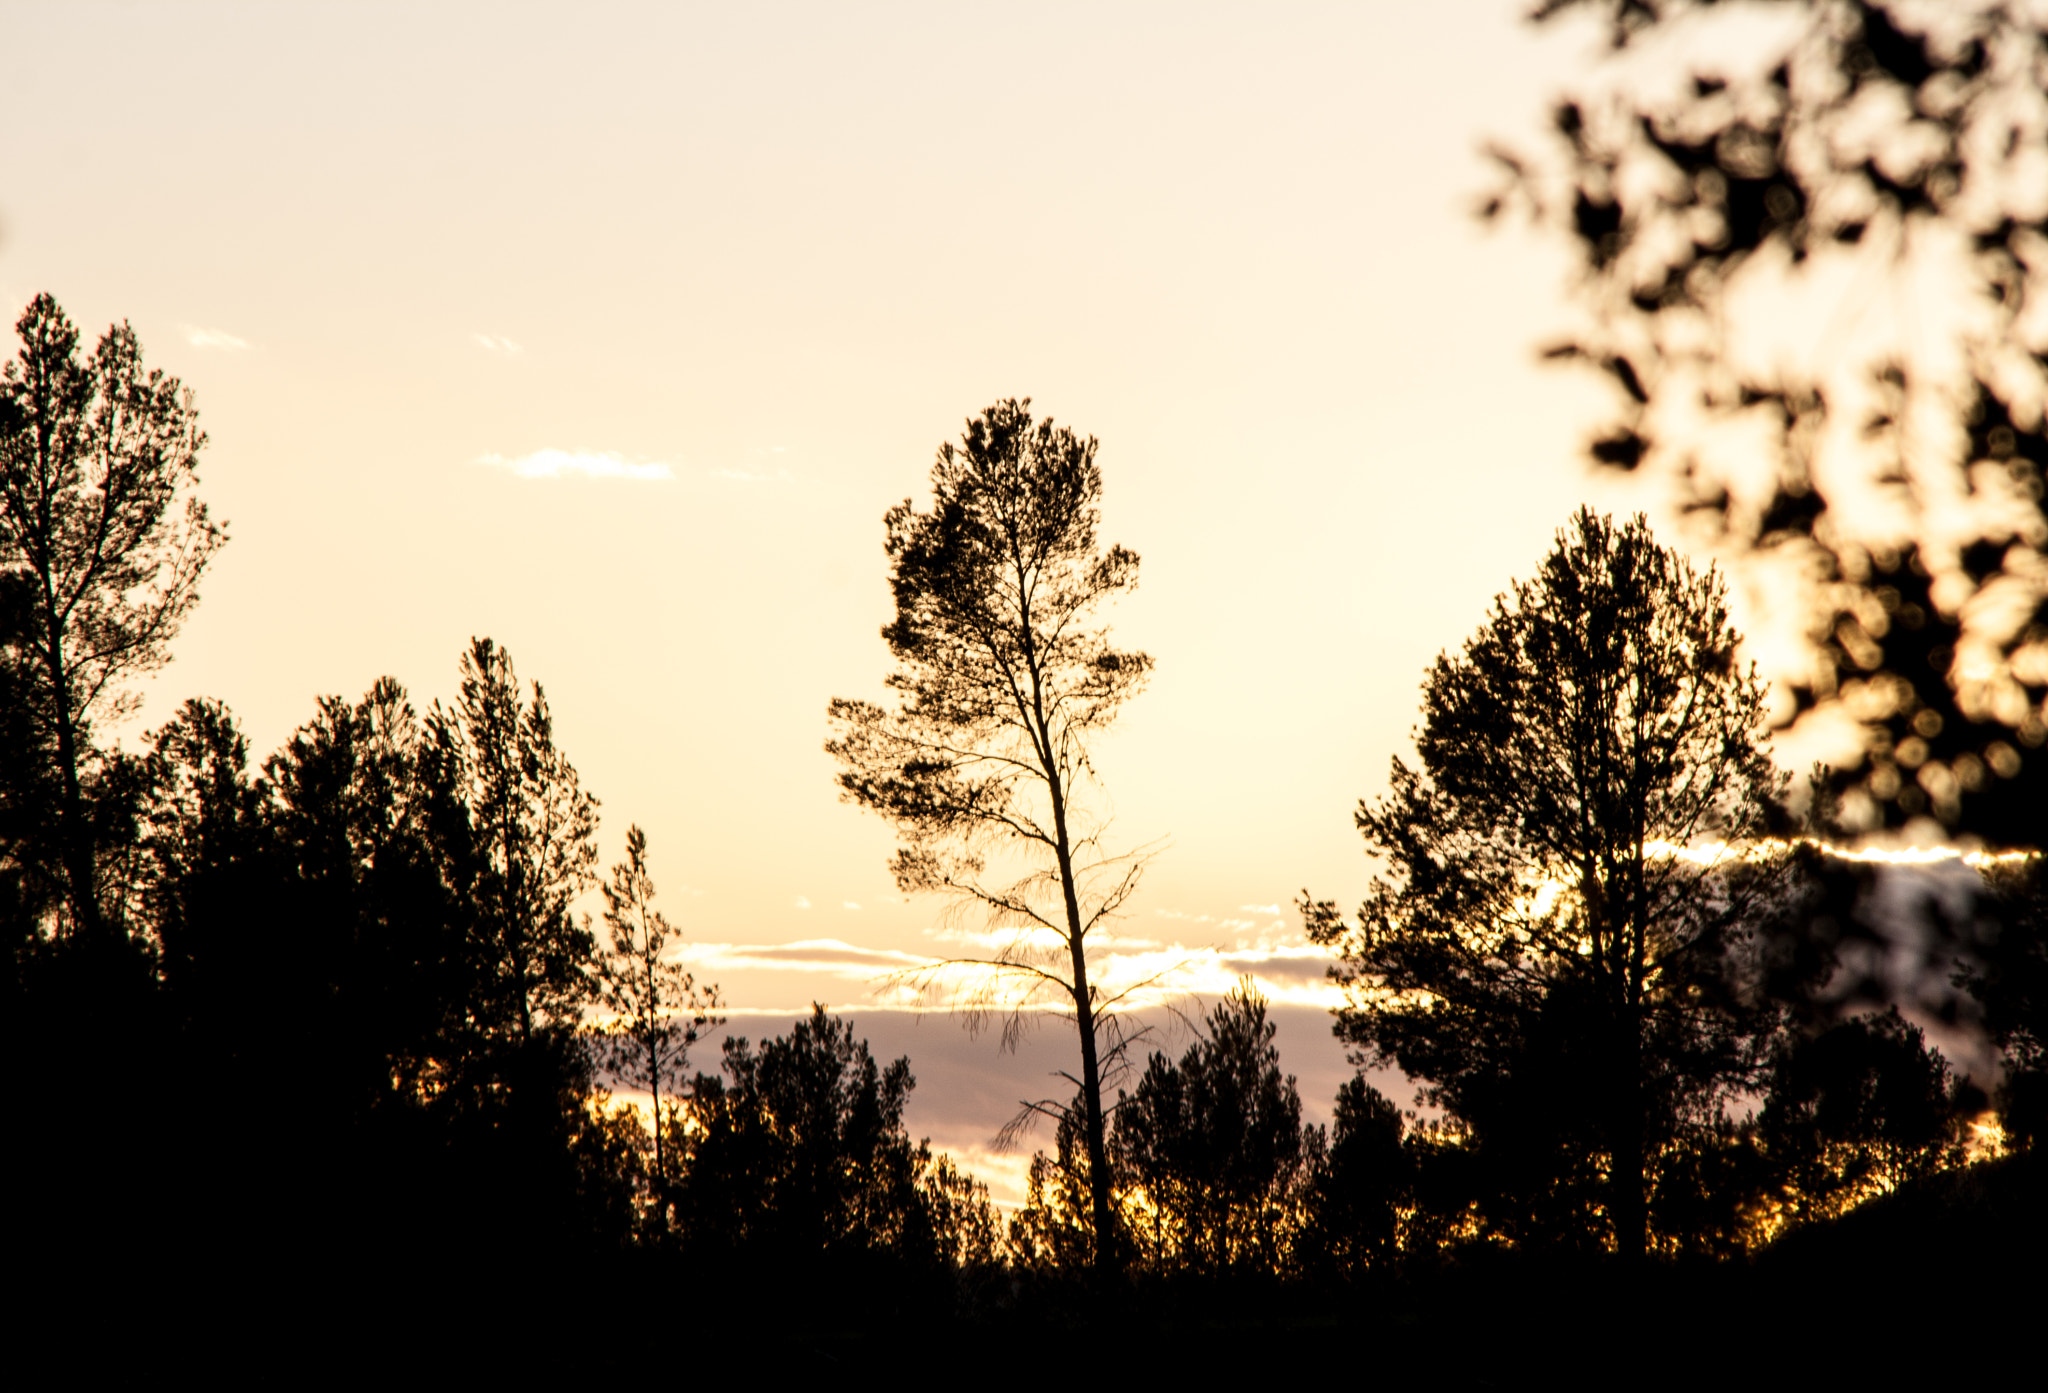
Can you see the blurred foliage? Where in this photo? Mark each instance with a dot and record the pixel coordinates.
(1893, 144)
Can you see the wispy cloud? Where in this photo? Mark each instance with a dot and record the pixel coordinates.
(848, 904)
(1260, 908)
(588, 464)
(1290, 973)
(213, 338)
(820, 955)
(497, 343)
(802, 902)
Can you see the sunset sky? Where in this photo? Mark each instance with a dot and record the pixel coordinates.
(611, 333)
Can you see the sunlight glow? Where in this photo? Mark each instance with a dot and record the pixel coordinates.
(1714, 853)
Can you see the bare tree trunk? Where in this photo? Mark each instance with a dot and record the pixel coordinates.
(1629, 1204)
(1099, 1188)
(1099, 1197)
(80, 869)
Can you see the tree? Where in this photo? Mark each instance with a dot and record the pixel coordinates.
(1002, 681)
(351, 818)
(1836, 148)
(2007, 974)
(1215, 1142)
(97, 508)
(1356, 1182)
(1858, 1109)
(516, 833)
(657, 1008)
(31, 866)
(1556, 949)
(800, 1168)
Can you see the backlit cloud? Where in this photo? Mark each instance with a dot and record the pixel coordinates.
(802, 902)
(1151, 974)
(587, 464)
(827, 956)
(213, 338)
(496, 343)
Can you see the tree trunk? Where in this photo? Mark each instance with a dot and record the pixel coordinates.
(1099, 1189)
(1099, 1197)
(80, 857)
(1629, 1204)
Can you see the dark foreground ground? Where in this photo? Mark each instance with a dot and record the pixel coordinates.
(1945, 1280)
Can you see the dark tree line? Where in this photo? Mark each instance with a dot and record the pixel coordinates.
(341, 1007)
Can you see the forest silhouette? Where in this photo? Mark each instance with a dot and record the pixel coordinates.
(337, 1020)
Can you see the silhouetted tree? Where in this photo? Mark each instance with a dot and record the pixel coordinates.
(31, 864)
(1357, 1182)
(1848, 143)
(516, 833)
(1055, 1233)
(1556, 952)
(97, 509)
(657, 1009)
(512, 834)
(351, 823)
(1003, 679)
(2007, 973)
(1858, 1109)
(1214, 1143)
(209, 890)
(798, 1166)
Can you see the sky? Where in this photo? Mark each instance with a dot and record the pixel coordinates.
(611, 332)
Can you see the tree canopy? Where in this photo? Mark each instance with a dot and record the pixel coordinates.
(99, 515)
(1831, 147)
(1003, 676)
(1560, 948)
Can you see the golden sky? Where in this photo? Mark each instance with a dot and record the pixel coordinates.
(610, 331)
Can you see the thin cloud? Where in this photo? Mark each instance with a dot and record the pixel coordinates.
(848, 904)
(828, 956)
(1293, 974)
(587, 464)
(802, 902)
(1260, 908)
(213, 338)
(498, 344)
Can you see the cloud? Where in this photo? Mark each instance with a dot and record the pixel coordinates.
(589, 464)
(496, 343)
(830, 956)
(1260, 908)
(213, 338)
(802, 903)
(848, 904)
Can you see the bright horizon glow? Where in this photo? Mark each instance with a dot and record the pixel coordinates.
(1713, 853)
